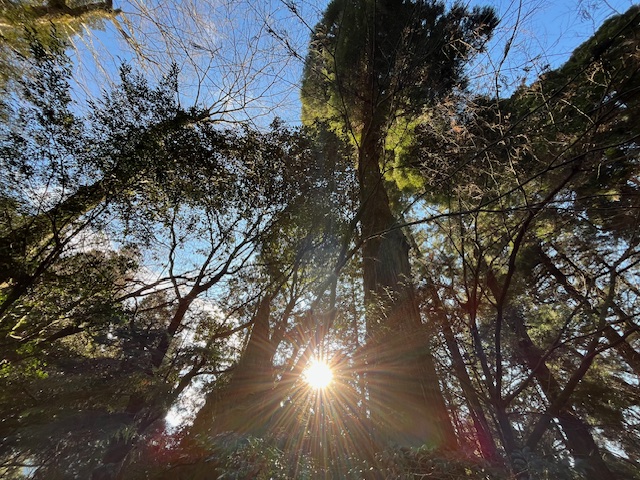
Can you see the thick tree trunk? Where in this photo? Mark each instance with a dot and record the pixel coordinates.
(237, 406)
(406, 403)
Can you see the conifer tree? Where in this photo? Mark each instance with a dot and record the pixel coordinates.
(374, 65)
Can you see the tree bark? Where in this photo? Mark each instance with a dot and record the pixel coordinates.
(406, 404)
(236, 406)
(484, 436)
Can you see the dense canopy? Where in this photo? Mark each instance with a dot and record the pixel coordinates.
(425, 279)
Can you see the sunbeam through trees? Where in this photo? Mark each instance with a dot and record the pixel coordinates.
(362, 239)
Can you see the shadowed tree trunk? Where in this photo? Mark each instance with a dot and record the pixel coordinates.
(236, 406)
(578, 436)
(484, 436)
(406, 403)
(371, 62)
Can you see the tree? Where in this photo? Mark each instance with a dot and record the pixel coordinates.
(528, 181)
(372, 67)
(22, 22)
(161, 184)
(294, 261)
(152, 257)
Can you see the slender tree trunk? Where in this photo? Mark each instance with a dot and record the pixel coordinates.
(226, 410)
(578, 435)
(630, 355)
(484, 436)
(406, 403)
(144, 411)
(507, 435)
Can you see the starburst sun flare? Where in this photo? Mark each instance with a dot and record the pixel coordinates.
(318, 374)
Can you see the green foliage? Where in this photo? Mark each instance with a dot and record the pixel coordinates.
(138, 174)
(543, 189)
(310, 230)
(411, 463)
(379, 65)
(527, 462)
(417, 44)
(249, 457)
(537, 266)
(233, 456)
(25, 22)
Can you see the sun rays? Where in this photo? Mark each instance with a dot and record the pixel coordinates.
(318, 374)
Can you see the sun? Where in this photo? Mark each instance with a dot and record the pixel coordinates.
(318, 374)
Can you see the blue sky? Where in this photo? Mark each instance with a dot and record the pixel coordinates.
(542, 34)
(243, 58)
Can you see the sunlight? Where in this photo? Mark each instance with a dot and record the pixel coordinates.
(318, 374)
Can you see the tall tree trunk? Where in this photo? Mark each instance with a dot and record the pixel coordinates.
(484, 435)
(236, 406)
(501, 416)
(406, 403)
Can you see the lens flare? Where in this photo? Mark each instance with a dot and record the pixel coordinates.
(318, 374)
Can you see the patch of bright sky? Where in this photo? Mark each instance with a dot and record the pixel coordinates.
(243, 59)
(537, 35)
